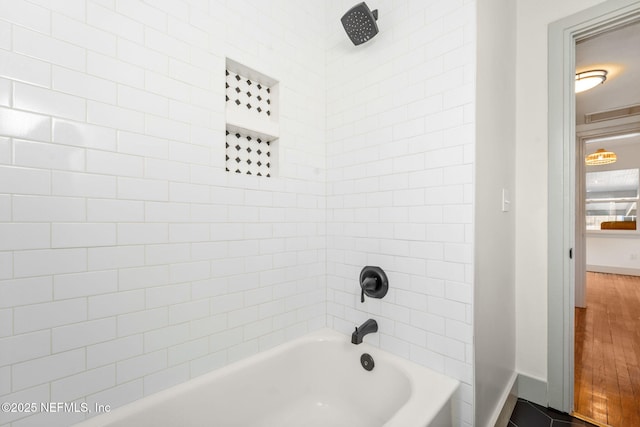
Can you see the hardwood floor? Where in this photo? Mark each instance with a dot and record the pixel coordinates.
(607, 351)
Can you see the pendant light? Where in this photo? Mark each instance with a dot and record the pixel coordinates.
(600, 157)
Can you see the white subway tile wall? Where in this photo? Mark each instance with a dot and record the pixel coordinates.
(400, 182)
(130, 260)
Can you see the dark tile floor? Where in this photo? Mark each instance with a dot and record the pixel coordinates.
(528, 414)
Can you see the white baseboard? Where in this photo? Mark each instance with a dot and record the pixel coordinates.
(533, 389)
(613, 270)
(507, 402)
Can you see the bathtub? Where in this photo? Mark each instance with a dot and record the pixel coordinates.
(314, 381)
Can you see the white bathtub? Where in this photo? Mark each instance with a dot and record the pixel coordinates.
(314, 381)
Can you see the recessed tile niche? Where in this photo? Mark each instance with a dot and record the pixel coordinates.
(252, 126)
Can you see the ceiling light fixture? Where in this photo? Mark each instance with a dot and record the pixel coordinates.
(589, 79)
(600, 157)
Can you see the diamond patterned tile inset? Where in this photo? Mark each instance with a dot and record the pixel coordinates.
(248, 155)
(241, 91)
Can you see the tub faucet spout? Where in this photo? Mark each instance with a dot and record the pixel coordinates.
(367, 327)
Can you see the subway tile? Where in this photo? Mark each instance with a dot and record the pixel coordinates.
(115, 303)
(142, 101)
(20, 236)
(109, 352)
(67, 235)
(208, 363)
(142, 57)
(48, 156)
(141, 12)
(142, 145)
(167, 212)
(142, 189)
(22, 124)
(141, 321)
(139, 366)
(117, 396)
(161, 84)
(187, 311)
(84, 284)
(428, 358)
(188, 232)
(20, 348)
(187, 33)
(108, 163)
(25, 69)
(48, 49)
(159, 296)
(27, 15)
(5, 101)
(49, 315)
(445, 270)
(88, 36)
(167, 253)
(36, 394)
(76, 184)
(49, 261)
(84, 135)
(39, 371)
(82, 334)
(115, 257)
(83, 85)
(48, 209)
(6, 322)
(208, 288)
(72, 8)
(427, 321)
(164, 43)
(187, 73)
(189, 271)
(6, 265)
(189, 113)
(108, 210)
(163, 127)
(447, 309)
(120, 25)
(243, 350)
(165, 337)
(5, 207)
(5, 380)
(114, 70)
(459, 370)
(83, 384)
(142, 233)
(188, 351)
(143, 277)
(5, 35)
(19, 292)
(188, 193)
(114, 117)
(460, 331)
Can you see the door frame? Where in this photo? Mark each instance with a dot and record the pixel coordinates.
(561, 220)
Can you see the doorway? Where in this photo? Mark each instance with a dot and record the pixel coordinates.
(562, 200)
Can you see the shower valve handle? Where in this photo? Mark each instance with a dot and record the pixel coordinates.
(373, 282)
(368, 284)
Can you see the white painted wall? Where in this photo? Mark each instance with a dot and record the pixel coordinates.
(400, 156)
(611, 252)
(494, 281)
(533, 19)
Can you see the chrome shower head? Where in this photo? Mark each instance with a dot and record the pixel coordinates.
(360, 23)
